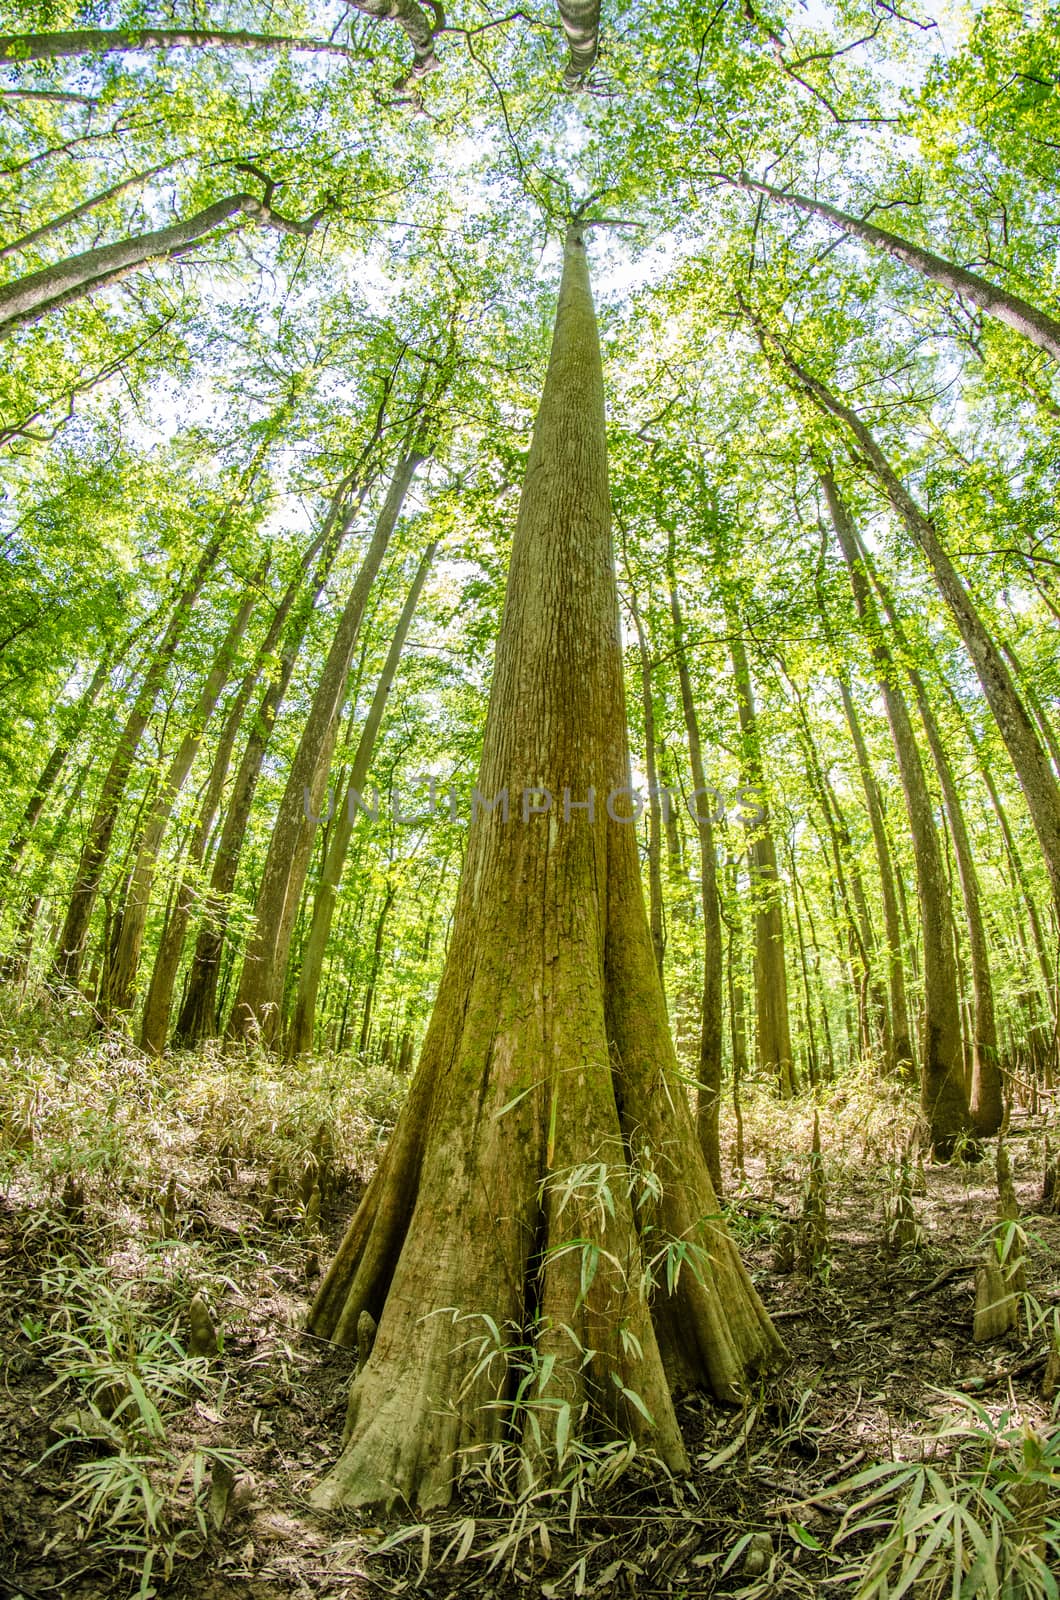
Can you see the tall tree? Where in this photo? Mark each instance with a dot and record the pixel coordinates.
(257, 1012)
(943, 1098)
(300, 1033)
(548, 1058)
(773, 1033)
(710, 1030)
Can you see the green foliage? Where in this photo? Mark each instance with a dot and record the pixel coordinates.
(979, 1523)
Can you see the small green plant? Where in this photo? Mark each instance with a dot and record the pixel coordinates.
(979, 1525)
(150, 1507)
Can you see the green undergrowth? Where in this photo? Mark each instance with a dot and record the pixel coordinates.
(93, 1109)
(135, 1189)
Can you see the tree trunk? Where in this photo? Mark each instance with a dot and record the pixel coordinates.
(710, 1032)
(655, 894)
(37, 293)
(581, 24)
(813, 1065)
(368, 1007)
(70, 951)
(986, 1098)
(64, 218)
(257, 1012)
(506, 1198)
(199, 1010)
(119, 988)
(414, 24)
(18, 47)
(901, 1061)
(300, 1033)
(1019, 871)
(76, 717)
(942, 1095)
(1014, 724)
(771, 975)
(155, 1020)
(1028, 320)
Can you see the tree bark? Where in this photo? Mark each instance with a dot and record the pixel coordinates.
(414, 24)
(986, 1097)
(75, 720)
(710, 1032)
(773, 1033)
(902, 1059)
(581, 24)
(1028, 320)
(31, 297)
(942, 1094)
(118, 991)
(199, 1011)
(547, 1068)
(257, 1012)
(159, 999)
(64, 218)
(368, 1007)
(300, 1033)
(70, 950)
(18, 47)
(647, 698)
(1025, 750)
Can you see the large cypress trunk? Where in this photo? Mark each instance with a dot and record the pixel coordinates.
(547, 1151)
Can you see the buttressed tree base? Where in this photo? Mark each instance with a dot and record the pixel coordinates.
(544, 1190)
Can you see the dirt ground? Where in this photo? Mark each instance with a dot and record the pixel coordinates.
(872, 1345)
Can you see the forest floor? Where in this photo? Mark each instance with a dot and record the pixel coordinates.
(131, 1467)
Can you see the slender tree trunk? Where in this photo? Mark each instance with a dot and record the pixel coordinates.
(300, 1034)
(828, 1061)
(70, 951)
(154, 1023)
(1025, 750)
(373, 973)
(257, 1012)
(902, 1060)
(19, 47)
(31, 297)
(771, 976)
(813, 1066)
(1028, 320)
(655, 894)
(986, 1097)
(943, 1100)
(64, 218)
(548, 1056)
(855, 911)
(75, 721)
(119, 990)
(200, 1009)
(710, 1033)
(17, 962)
(1045, 727)
(1019, 871)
